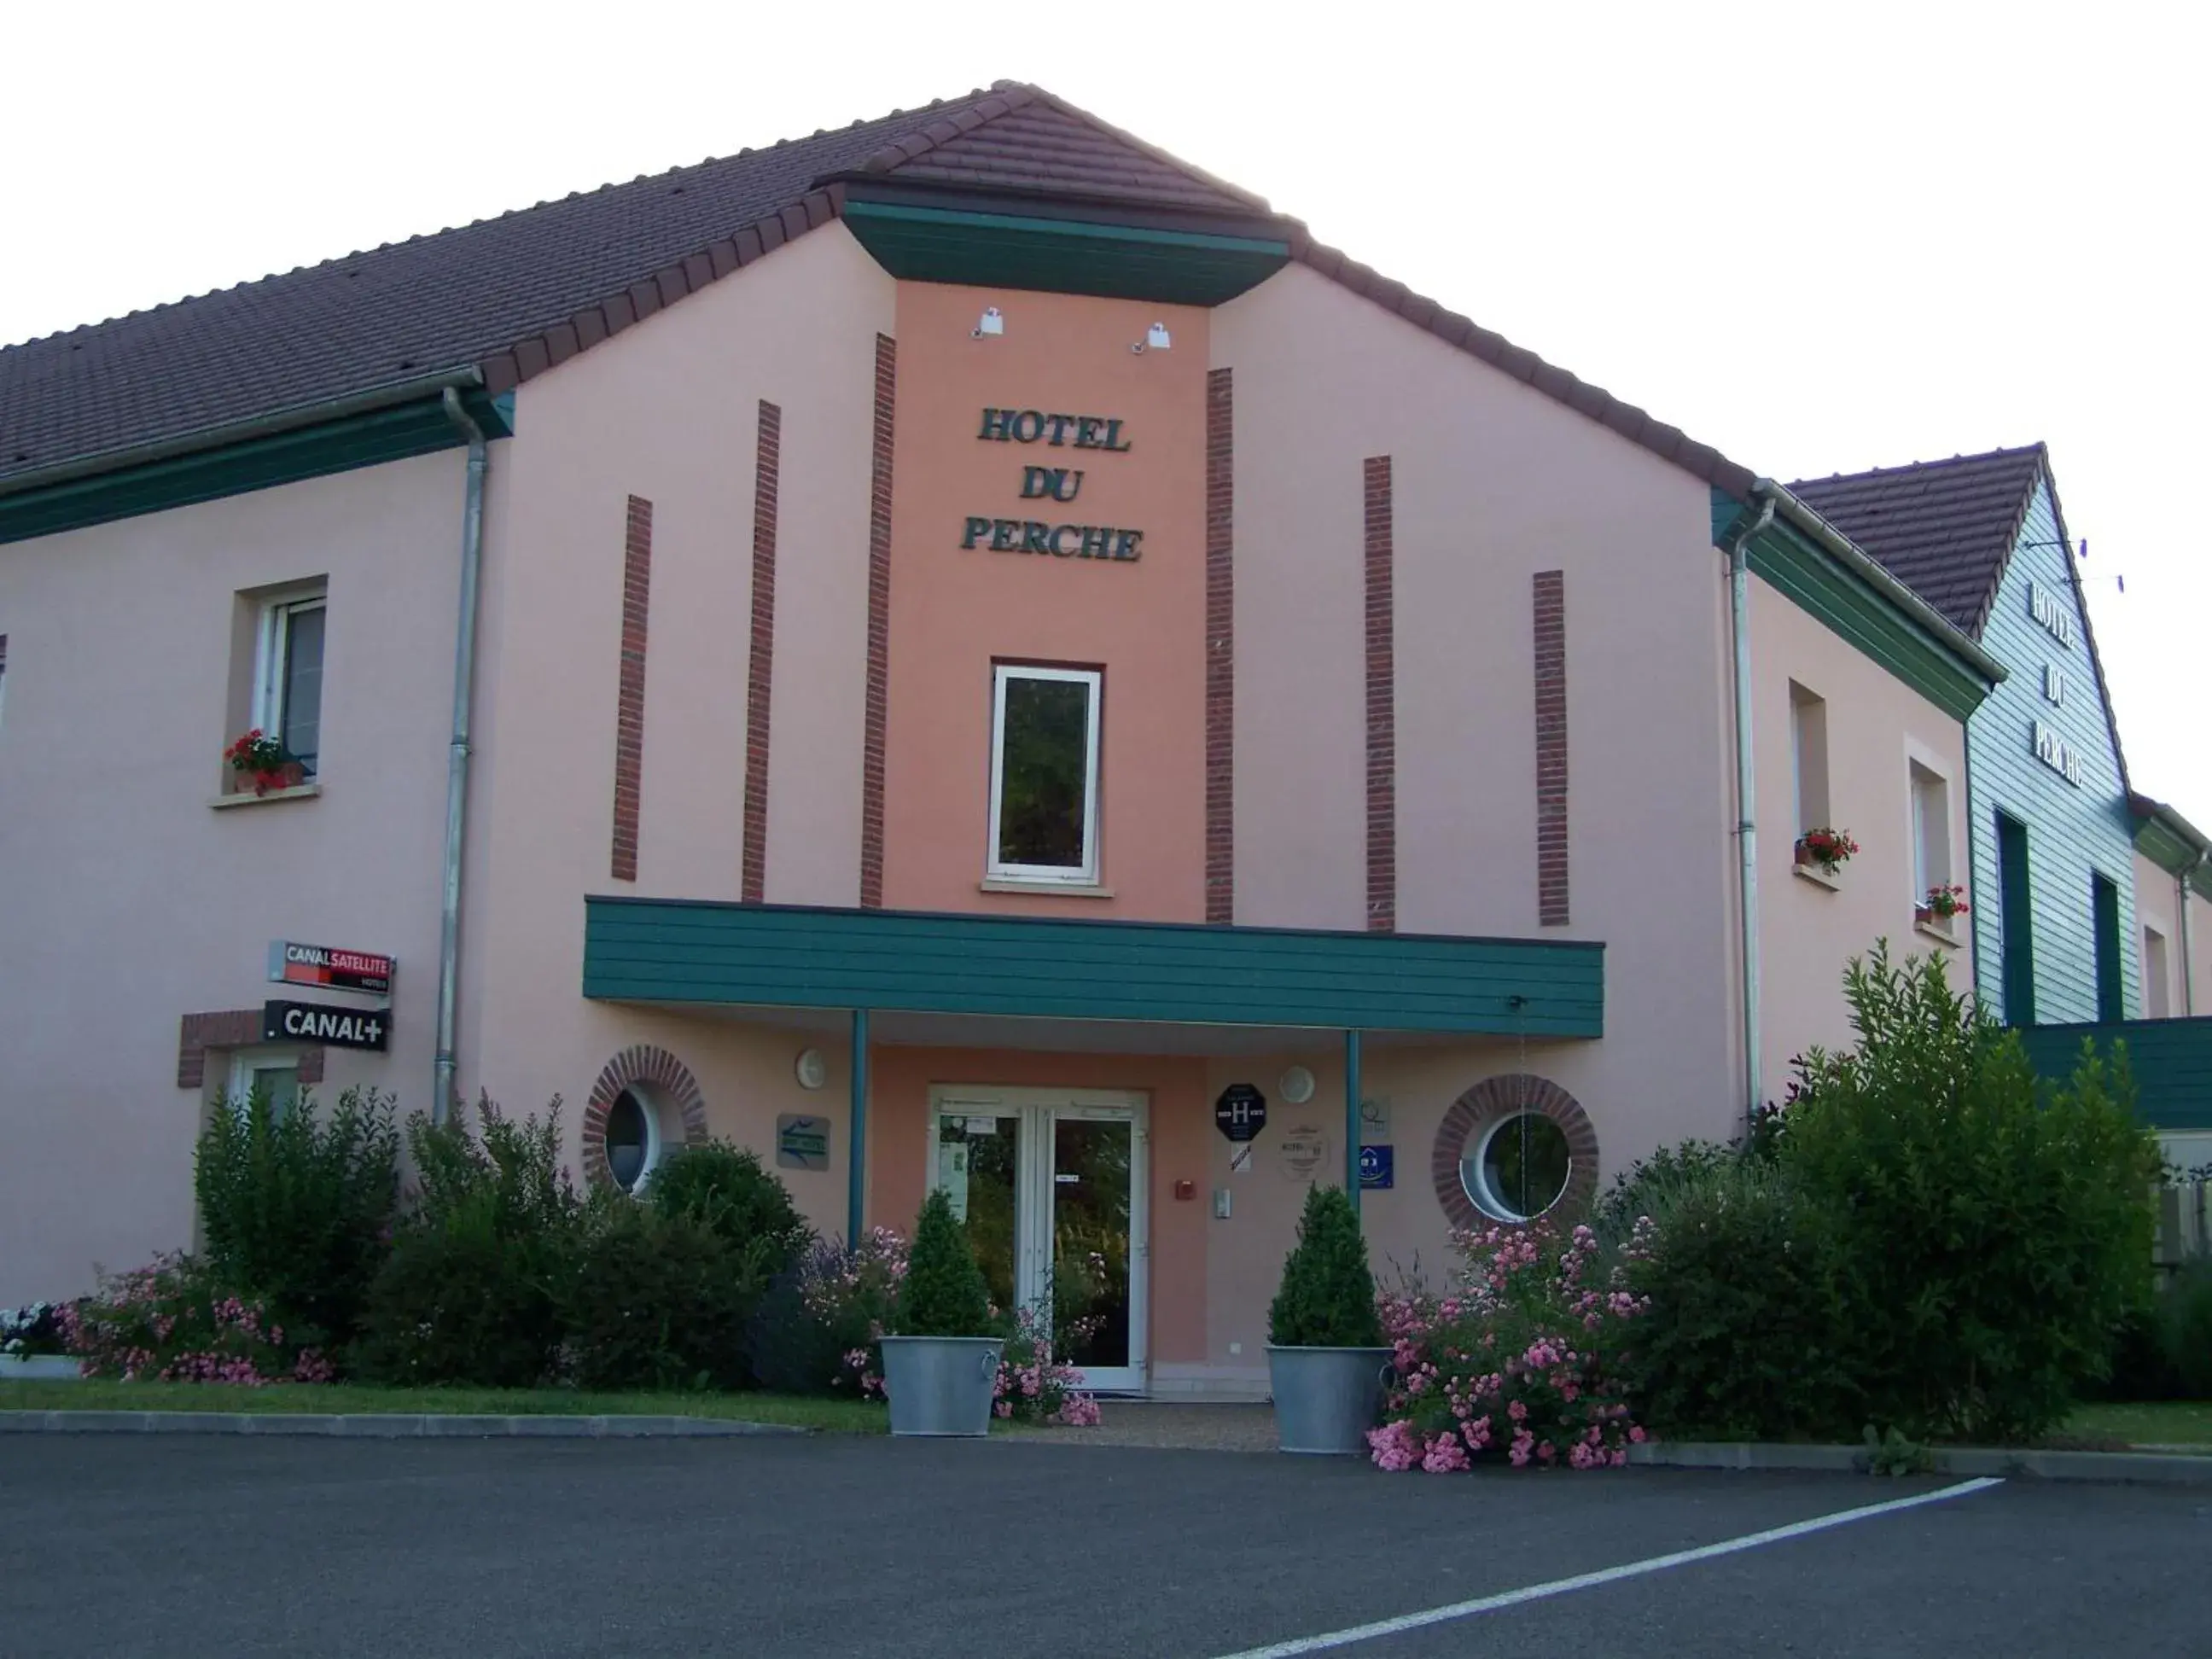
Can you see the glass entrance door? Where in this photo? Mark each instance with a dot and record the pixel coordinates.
(1051, 1187)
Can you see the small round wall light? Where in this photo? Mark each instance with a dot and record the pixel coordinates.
(813, 1070)
(1295, 1086)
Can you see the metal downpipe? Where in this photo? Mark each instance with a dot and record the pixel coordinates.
(1746, 827)
(457, 758)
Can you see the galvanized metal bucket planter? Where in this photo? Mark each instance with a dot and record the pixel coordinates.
(39, 1368)
(941, 1385)
(1326, 1399)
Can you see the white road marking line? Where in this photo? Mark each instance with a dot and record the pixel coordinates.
(1405, 1621)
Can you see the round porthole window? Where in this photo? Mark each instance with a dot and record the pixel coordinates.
(1519, 1167)
(633, 1139)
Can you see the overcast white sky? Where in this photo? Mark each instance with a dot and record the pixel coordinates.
(1821, 238)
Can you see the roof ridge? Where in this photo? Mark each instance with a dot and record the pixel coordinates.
(1904, 467)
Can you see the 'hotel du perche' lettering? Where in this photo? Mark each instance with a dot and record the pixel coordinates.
(1055, 484)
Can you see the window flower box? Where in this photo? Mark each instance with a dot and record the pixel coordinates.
(1935, 913)
(258, 764)
(1826, 850)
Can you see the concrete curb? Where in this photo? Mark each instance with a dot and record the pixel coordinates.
(394, 1425)
(2158, 1468)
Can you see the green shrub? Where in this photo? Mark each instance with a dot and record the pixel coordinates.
(1992, 1237)
(2184, 1326)
(1742, 1338)
(725, 1190)
(296, 1208)
(816, 1328)
(1326, 1299)
(943, 1293)
(657, 1302)
(473, 1289)
(1645, 1187)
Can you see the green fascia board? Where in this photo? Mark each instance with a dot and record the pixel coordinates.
(2158, 841)
(680, 951)
(2171, 1060)
(1817, 583)
(370, 438)
(1062, 255)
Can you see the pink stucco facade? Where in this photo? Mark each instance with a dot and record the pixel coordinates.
(149, 901)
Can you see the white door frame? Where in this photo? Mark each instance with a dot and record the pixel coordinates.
(1037, 1107)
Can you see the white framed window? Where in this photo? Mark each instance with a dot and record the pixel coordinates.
(2157, 996)
(273, 1072)
(632, 1139)
(1931, 832)
(288, 675)
(1044, 774)
(1808, 757)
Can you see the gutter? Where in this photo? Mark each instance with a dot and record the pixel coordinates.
(263, 425)
(1773, 497)
(457, 754)
(1747, 828)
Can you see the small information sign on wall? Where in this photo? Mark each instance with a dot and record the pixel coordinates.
(1377, 1168)
(802, 1142)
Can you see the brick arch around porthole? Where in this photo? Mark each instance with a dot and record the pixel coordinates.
(1492, 1101)
(664, 1075)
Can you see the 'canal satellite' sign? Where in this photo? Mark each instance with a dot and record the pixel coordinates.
(338, 970)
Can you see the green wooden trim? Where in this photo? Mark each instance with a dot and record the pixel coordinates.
(1818, 584)
(674, 952)
(2171, 1060)
(370, 438)
(1062, 255)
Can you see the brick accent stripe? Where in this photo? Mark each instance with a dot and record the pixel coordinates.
(629, 698)
(879, 628)
(768, 450)
(1220, 648)
(1382, 704)
(669, 1079)
(228, 1027)
(1491, 1101)
(1550, 612)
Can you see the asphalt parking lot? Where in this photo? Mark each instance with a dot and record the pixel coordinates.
(130, 1545)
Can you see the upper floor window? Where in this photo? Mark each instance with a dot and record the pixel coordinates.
(4, 673)
(1044, 774)
(1808, 757)
(1931, 832)
(288, 675)
(2157, 996)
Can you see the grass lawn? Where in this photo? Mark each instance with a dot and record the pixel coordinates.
(836, 1416)
(2170, 1422)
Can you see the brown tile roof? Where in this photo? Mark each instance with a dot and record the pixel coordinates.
(510, 297)
(1944, 529)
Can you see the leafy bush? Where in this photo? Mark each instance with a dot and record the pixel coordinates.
(1326, 1299)
(943, 1293)
(176, 1321)
(37, 1328)
(296, 1208)
(1992, 1237)
(657, 1302)
(1743, 1340)
(1647, 1186)
(726, 1191)
(472, 1290)
(1514, 1361)
(815, 1329)
(1034, 1384)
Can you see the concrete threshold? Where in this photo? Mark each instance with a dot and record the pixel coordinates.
(2145, 1468)
(380, 1425)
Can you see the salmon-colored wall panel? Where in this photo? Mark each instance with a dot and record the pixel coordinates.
(954, 610)
(1179, 1121)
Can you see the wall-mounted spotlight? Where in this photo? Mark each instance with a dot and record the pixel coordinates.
(1156, 339)
(989, 324)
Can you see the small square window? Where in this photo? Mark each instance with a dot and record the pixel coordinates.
(274, 1072)
(1044, 774)
(288, 676)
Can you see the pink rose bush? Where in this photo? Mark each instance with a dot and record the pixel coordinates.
(1035, 1385)
(169, 1322)
(1511, 1363)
